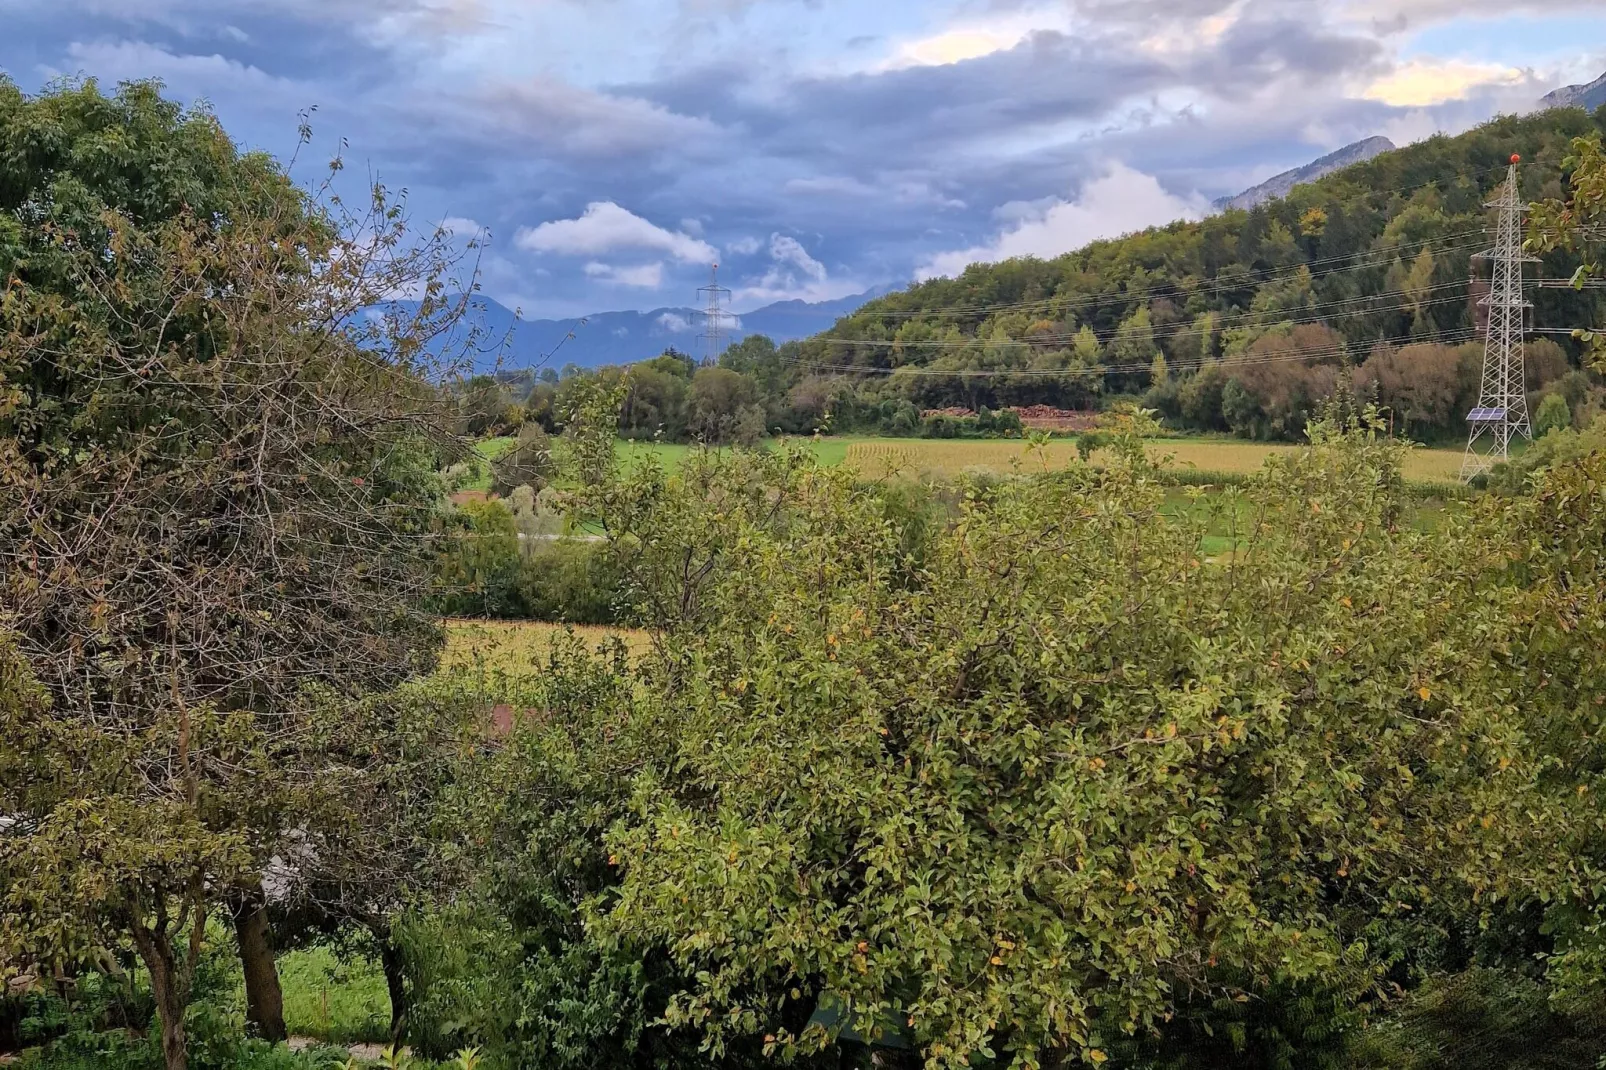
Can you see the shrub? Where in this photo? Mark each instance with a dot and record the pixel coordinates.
(1553, 415)
(570, 581)
(1032, 799)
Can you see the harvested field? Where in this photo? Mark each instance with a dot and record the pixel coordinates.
(520, 646)
(948, 457)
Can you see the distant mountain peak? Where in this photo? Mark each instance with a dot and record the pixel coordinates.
(624, 337)
(1589, 97)
(1279, 185)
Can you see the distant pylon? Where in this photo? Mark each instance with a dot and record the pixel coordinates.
(1502, 410)
(713, 297)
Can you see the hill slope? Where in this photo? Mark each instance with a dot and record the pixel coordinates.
(1282, 299)
(1280, 185)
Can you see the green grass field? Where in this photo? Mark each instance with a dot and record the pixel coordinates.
(339, 1002)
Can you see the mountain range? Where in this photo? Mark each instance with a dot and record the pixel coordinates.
(1589, 97)
(624, 337)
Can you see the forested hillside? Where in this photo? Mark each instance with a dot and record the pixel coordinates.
(1243, 321)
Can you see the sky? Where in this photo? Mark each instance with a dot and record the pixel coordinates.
(609, 152)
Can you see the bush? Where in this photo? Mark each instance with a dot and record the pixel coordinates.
(570, 581)
(1485, 1019)
(1032, 797)
(1553, 415)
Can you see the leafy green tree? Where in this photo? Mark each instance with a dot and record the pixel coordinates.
(487, 408)
(655, 405)
(478, 573)
(1133, 347)
(217, 484)
(1428, 387)
(1553, 415)
(590, 425)
(722, 408)
(1574, 223)
(756, 356)
(529, 463)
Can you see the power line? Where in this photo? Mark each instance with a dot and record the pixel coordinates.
(1262, 319)
(1452, 338)
(1220, 282)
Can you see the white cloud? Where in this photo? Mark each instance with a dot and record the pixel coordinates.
(642, 276)
(604, 228)
(692, 226)
(794, 275)
(1433, 81)
(789, 252)
(214, 76)
(673, 323)
(1121, 202)
(960, 43)
(459, 227)
(744, 246)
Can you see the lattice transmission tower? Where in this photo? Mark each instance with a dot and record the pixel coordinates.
(1502, 410)
(713, 297)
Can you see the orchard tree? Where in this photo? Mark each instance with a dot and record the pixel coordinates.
(217, 490)
(1038, 795)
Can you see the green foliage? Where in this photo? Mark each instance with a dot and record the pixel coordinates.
(1574, 223)
(1485, 1019)
(1553, 415)
(1559, 447)
(1376, 251)
(1032, 795)
(487, 570)
(217, 488)
(479, 566)
(338, 999)
(722, 408)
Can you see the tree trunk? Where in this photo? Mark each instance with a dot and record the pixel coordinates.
(264, 999)
(157, 954)
(395, 980)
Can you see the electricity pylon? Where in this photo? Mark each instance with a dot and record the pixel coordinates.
(713, 295)
(1502, 410)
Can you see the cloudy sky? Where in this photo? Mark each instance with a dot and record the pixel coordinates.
(614, 149)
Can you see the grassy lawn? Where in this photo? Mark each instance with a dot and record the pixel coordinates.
(334, 1001)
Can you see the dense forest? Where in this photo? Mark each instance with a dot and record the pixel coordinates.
(1243, 322)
